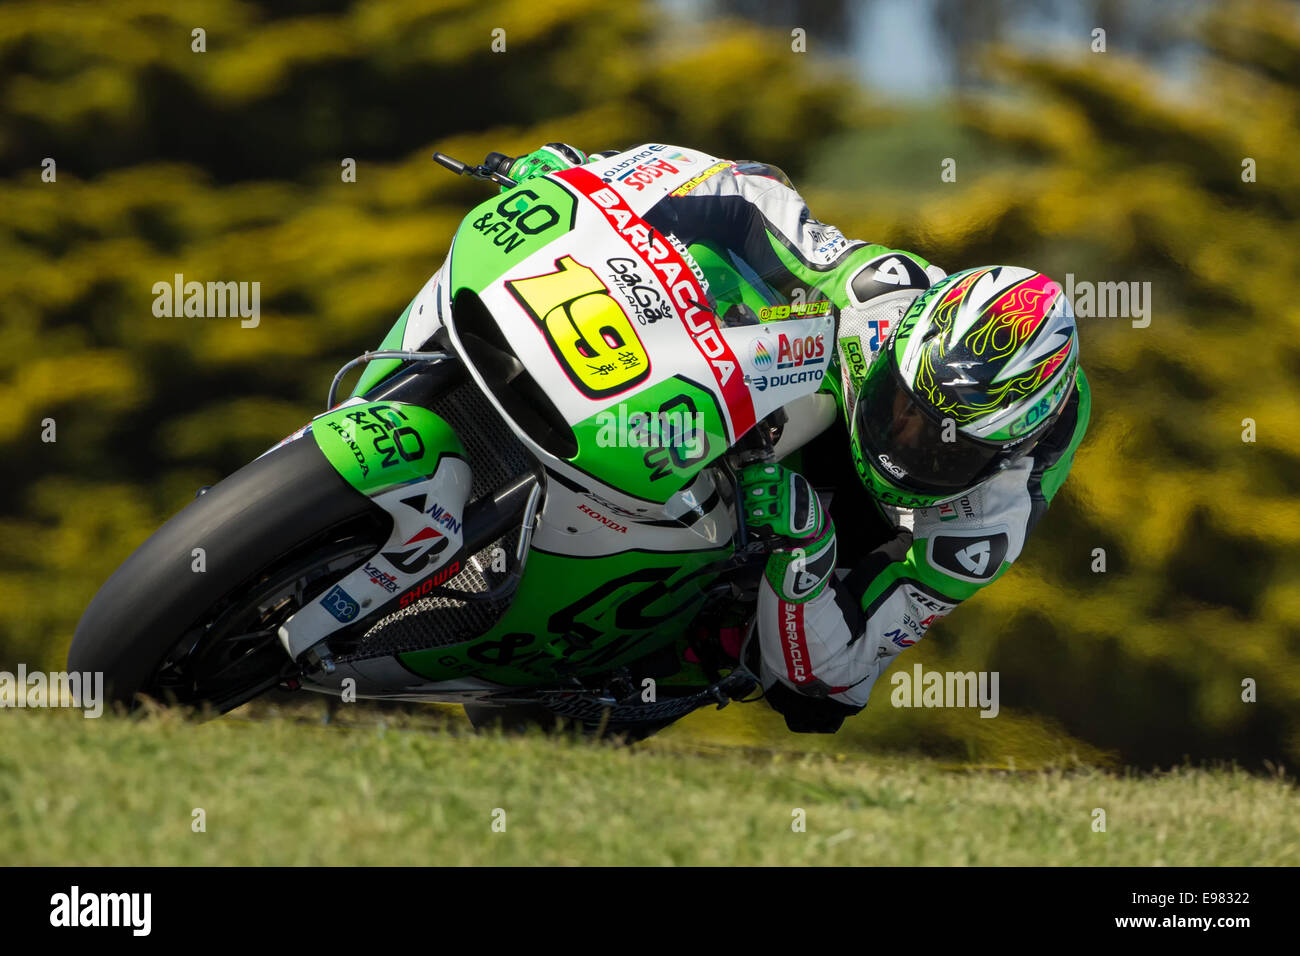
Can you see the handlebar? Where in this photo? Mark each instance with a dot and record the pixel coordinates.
(491, 169)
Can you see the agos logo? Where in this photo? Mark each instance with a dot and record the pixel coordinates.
(650, 152)
(650, 164)
(762, 357)
(792, 352)
(642, 175)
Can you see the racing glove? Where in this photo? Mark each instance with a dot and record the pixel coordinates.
(781, 509)
(550, 158)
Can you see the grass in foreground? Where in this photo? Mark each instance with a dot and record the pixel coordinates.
(114, 791)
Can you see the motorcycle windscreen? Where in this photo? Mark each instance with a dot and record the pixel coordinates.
(743, 295)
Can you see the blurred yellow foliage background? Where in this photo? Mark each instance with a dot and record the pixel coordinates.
(225, 165)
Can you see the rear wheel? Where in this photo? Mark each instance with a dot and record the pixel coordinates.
(191, 617)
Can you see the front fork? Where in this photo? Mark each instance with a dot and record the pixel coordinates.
(409, 461)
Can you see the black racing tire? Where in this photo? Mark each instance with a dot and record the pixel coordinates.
(274, 534)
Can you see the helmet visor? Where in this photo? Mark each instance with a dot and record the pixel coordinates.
(907, 444)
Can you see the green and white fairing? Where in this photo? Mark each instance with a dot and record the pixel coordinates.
(598, 342)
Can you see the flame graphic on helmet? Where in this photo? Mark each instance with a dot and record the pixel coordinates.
(1017, 314)
(947, 308)
(1012, 319)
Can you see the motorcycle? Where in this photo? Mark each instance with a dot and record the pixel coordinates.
(528, 503)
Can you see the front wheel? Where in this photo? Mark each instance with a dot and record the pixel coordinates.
(191, 617)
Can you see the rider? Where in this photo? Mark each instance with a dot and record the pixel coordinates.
(963, 402)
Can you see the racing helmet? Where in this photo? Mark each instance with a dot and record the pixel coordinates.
(971, 377)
